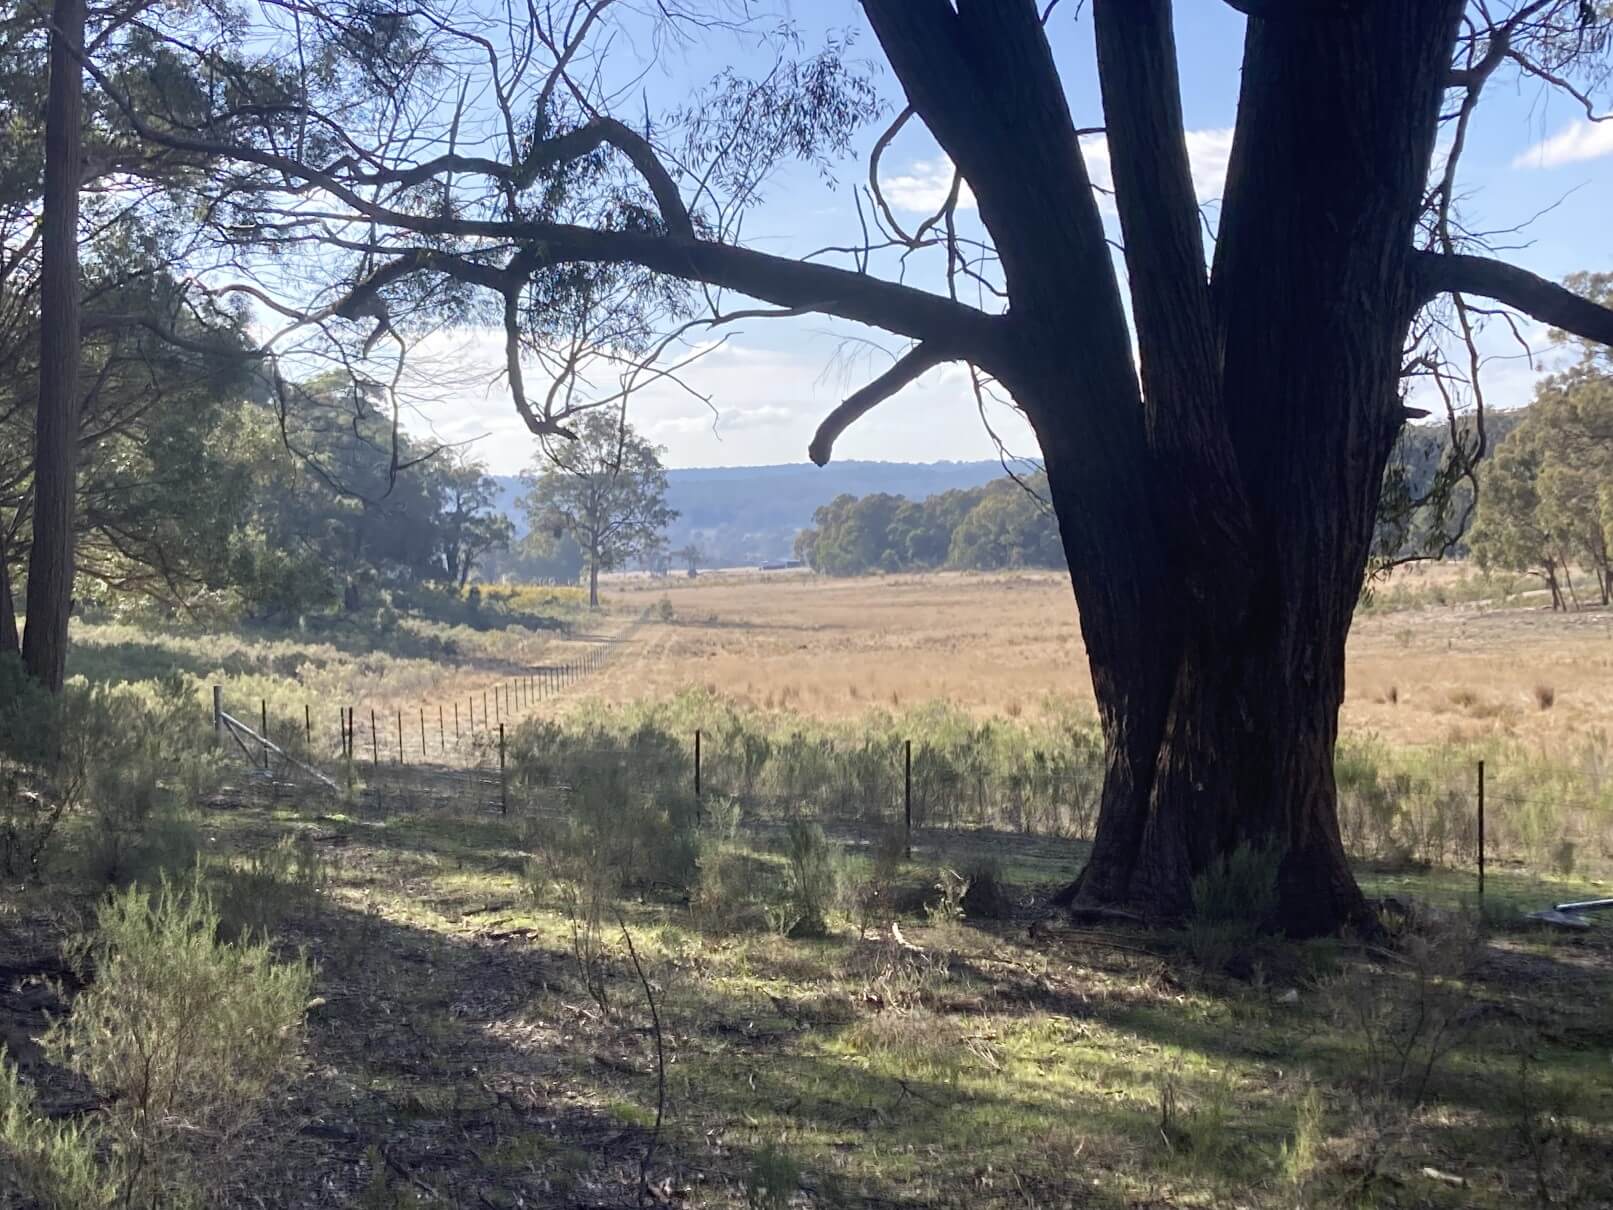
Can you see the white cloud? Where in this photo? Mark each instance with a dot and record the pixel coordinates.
(1581, 140)
(922, 189)
(1207, 154)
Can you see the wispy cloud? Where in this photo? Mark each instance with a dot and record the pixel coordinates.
(923, 187)
(1581, 140)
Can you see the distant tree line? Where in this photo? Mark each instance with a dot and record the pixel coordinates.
(1005, 523)
(331, 503)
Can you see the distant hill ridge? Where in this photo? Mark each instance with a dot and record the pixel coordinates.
(745, 514)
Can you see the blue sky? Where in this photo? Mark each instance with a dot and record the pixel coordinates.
(1532, 161)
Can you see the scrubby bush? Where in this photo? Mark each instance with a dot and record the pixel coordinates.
(772, 1181)
(734, 885)
(36, 787)
(873, 894)
(53, 1161)
(1403, 1024)
(1042, 776)
(184, 1038)
(254, 897)
(814, 878)
(135, 757)
(1233, 899)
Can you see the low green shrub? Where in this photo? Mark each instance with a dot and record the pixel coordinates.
(1234, 898)
(255, 896)
(37, 789)
(184, 1037)
(815, 877)
(772, 1180)
(52, 1161)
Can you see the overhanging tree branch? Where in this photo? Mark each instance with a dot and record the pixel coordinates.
(908, 367)
(1533, 295)
(1278, 9)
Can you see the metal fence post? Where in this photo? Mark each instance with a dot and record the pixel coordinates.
(218, 713)
(308, 725)
(697, 762)
(907, 793)
(265, 733)
(498, 717)
(400, 735)
(503, 782)
(375, 741)
(422, 733)
(456, 721)
(1481, 835)
(442, 729)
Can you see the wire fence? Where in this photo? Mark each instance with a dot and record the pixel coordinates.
(1444, 812)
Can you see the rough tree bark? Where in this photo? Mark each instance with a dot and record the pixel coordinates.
(1218, 521)
(50, 558)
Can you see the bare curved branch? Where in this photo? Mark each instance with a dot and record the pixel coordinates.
(1533, 295)
(909, 366)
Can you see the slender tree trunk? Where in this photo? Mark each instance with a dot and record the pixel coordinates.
(50, 559)
(8, 605)
(593, 577)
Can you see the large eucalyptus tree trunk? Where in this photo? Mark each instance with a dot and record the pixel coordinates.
(1217, 515)
(50, 559)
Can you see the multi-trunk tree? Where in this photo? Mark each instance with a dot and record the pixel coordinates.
(1217, 493)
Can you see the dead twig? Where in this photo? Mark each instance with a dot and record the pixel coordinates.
(660, 1066)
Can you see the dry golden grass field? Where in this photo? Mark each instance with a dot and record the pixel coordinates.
(1419, 671)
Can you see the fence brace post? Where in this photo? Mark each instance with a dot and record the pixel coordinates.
(218, 713)
(265, 733)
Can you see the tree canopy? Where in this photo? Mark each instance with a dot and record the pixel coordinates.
(1547, 500)
(605, 489)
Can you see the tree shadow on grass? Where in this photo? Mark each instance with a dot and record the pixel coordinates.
(469, 1060)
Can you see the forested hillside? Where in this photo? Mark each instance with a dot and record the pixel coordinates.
(746, 514)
